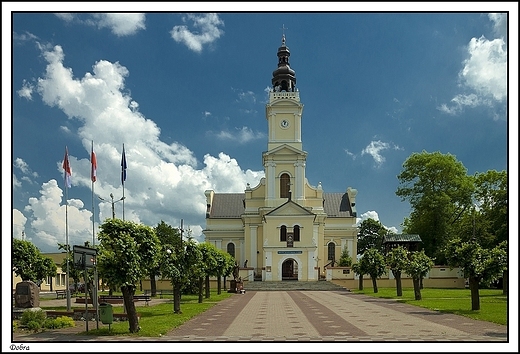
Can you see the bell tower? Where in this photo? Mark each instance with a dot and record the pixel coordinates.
(284, 161)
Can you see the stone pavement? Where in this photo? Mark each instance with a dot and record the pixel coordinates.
(307, 316)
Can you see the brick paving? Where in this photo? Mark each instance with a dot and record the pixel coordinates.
(307, 316)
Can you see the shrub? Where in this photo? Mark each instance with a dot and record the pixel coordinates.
(38, 316)
(64, 321)
(34, 325)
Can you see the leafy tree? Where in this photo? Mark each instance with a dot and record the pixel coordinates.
(29, 264)
(126, 253)
(167, 235)
(397, 260)
(356, 268)
(208, 266)
(345, 260)
(478, 264)
(180, 264)
(373, 263)
(418, 266)
(439, 191)
(371, 233)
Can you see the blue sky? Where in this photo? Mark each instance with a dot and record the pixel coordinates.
(186, 94)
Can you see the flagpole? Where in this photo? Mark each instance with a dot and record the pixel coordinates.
(93, 167)
(123, 173)
(67, 228)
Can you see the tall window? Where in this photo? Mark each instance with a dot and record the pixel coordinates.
(331, 251)
(285, 181)
(231, 249)
(296, 230)
(283, 233)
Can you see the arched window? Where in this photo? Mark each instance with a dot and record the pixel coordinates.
(231, 249)
(283, 233)
(285, 186)
(331, 252)
(296, 230)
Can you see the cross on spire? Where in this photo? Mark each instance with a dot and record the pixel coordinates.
(283, 34)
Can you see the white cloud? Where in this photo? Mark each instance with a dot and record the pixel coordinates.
(18, 224)
(26, 90)
(206, 31)
(242, 135)
(375, 148)
(483, 77)
(121, 24)
(499, 24)
(372, 214)
(163, 180)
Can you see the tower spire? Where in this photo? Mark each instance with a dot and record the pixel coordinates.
(284, 78)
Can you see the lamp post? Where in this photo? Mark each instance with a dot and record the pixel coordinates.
(169, 251)
(112, 202)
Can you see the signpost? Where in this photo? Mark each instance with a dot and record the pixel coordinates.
(85, 257)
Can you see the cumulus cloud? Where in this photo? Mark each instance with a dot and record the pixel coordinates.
(206, 31)
(240, 135)
(121, 24)
(164, 180)
(26, 90)
(372, 214)
(483, 77)
(19, 221)
(375, 148)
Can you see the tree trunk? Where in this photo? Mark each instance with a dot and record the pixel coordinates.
(421, 283)
(219, 285)
(207, 287)
(153, 285)
(201, 282)
(475, 298)
(128, 298)
(360, 286)
(417, 288)
(398, 283)
(177, 298)
(374, 283)
(225, 285)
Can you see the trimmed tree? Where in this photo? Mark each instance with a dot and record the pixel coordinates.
(345, 260)
(418, 266)
(29, 264)
(126, 253)
(397, 259)
(478, 264)
(373, 263)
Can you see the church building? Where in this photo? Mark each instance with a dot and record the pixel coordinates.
(283, 228)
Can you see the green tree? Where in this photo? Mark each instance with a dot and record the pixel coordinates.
(397, 260)
(439, 191)
(372, 263)
(478, 264)
(208, 266)
(418, 266)
(126, 253)
(180, 265)
(345, 260)
(356, 268)
(29, 264)
(371, 233)
(167, 235)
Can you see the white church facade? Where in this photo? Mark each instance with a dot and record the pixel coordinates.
(283, 228)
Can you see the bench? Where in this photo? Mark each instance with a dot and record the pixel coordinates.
(61, 293)
(119, 299)
(165, 292)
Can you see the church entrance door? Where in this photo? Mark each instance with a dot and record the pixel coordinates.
(290, 270)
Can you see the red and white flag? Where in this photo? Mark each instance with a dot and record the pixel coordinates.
(93, 163)
(67, 171)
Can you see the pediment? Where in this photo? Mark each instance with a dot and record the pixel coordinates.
(285, 149)
(290, 208)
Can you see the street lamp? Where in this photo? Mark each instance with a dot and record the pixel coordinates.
(112, 197)
(169, 251)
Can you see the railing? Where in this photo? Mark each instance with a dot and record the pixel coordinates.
(279, 95)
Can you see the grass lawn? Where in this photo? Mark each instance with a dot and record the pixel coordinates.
(158, 319)
(493, 305)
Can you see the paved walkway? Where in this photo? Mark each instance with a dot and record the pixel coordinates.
(307, 316)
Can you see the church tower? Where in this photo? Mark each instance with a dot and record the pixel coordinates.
(284, 161)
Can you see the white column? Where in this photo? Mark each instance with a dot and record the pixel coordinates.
(311, 263)
(242, 252)
(350, 250)
(271, 179)
(252, 261)
(218, 244)
(300, 180)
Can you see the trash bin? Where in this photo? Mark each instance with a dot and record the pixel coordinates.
(105, 313)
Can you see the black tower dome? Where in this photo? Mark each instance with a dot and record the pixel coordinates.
(284, 78)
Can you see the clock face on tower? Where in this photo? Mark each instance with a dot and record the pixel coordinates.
(284, 123)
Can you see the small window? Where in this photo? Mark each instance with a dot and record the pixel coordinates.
(296, 233)
(285, 186)
(231, 249)
(331, 251)
(283, 233)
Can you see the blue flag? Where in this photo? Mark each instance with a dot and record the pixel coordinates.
(123, 166)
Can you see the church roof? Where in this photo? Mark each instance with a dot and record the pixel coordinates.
(403, 238)
(231, 205)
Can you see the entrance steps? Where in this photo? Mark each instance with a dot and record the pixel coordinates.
(286, 285)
